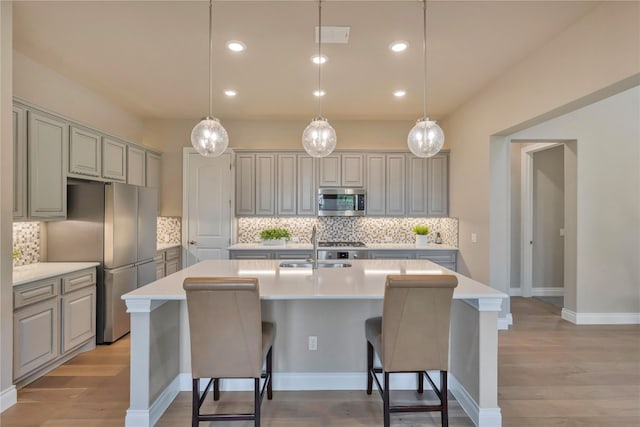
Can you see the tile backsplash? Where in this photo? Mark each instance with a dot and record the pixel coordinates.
(367, 229)
(26, 240)
(169, 229)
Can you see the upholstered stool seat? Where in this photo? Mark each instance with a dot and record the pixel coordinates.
(228, 340)
(412, 336)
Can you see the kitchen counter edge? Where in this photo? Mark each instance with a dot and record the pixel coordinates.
(44, 270)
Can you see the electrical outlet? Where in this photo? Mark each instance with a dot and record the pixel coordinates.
(474, 237)
(313, 343)
(562, 232)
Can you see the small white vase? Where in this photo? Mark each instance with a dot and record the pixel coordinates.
(274, 242)
(421, 240)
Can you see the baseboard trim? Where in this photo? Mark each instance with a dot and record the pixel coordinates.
(481, 417)
(505, 322)
(600, 318)
(8, 398)
(149, 417)
(538, 292)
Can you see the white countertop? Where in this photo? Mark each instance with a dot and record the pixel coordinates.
(363, 280)
(368, 247)
(163, 246)
(43, 270)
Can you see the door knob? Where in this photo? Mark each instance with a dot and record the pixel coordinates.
(192, 242)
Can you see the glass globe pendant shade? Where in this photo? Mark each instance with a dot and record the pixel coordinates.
(209, 137)
(426, 138)
(319, 138)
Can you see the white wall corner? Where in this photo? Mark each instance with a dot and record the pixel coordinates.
(8, 398)
(515, 292)
(600, 318)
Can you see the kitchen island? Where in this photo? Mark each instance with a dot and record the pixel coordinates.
(330, 304)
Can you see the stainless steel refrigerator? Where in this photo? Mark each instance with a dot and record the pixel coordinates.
(115, 225)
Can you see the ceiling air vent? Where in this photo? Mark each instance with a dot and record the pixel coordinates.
(334, 35)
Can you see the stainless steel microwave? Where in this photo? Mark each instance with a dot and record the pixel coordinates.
(341, 202)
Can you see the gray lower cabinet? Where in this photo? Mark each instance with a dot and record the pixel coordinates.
(36, 338)
(270, 254)
(19, 163)
(47, 153)
(445, 258)
(52, 318)
(168, 261)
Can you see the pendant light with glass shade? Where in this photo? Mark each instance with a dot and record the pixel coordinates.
(319, 138)
(426, 138)
(209, 137)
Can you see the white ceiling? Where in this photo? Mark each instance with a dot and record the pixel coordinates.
(151, 57)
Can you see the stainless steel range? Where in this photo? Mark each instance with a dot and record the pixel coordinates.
(342, 250)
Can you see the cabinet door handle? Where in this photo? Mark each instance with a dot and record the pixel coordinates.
(192, 242)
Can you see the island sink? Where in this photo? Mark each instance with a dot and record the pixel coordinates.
(307, 264)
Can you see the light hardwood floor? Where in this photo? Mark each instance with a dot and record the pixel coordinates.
(551, 373)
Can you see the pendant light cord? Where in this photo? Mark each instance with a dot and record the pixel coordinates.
(319, 57)
(210, 58)
(424, 54)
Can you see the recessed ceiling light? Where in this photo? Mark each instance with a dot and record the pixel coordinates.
(230, 93)
(318, 92)
(236, 45)
(399, 93)
(319, 59)
(399, 46)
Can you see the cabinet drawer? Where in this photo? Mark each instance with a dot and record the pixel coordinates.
(34, 292)
(171, 253)
(439, 257)
(159, 257)
(78, 280)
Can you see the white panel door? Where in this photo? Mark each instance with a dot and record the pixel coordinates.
(207, 207)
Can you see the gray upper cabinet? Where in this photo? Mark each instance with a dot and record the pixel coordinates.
(428, 185)
(342, 170)
(265, 184)
(136, 166)
(438, 185)
(395, 203)
(85, 153)
(330, 171)
(417, 191)
(286, 184)
(307, 199)
(376, 184)
(19, 163)
(352, 170)
(153, 170)
(245, 184)
(47, 150)
(385, 184)
(114, 160)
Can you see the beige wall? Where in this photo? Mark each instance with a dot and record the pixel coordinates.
(600, 50)
(6, 203)
(608, 200)
(170, 136)
(41, 86)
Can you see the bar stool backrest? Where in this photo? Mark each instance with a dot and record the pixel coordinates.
(415, 322)
(225, 327)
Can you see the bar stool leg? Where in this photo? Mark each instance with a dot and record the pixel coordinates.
(269, 376)
(195, 401)
(216, 389)
(369, 367)
(420, 382)
(257, 401)
(445, 401)
(385, 399)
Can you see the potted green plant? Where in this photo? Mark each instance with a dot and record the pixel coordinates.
(274, 236)
(421, 235)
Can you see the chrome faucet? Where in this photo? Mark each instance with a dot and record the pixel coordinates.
(314, 241)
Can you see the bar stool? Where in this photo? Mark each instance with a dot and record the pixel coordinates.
(412, 336)
(228, 340)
